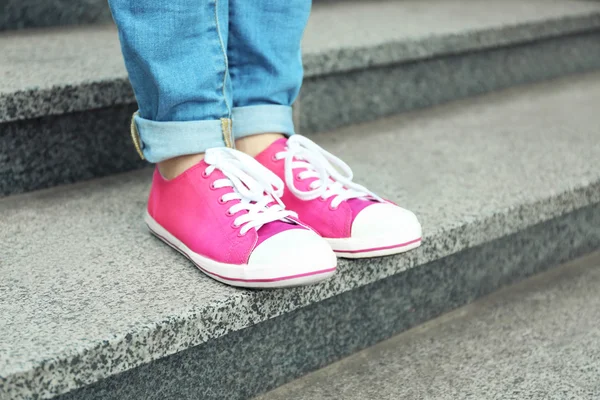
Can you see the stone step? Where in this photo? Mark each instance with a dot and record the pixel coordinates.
(93, 307)
(539, 339)
(24, 14)
(65, 101)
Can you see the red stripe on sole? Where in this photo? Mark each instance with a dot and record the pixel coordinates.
(283, 278)
(379, 248)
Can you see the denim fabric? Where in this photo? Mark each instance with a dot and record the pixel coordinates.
(202, 70)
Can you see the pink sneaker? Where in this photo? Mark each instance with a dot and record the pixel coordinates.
(225, 215)
(356, 222)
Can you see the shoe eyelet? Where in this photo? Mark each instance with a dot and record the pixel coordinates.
(234, 226)
(229, 213)
(333, 208)
(297, 177)
(322, 199)
(274, 158)
(204, 174)
(212, 186)
(240, 234)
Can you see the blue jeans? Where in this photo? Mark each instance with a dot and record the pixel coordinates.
(206, 72)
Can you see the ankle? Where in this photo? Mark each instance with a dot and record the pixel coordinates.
(173, 167)
(255, 144)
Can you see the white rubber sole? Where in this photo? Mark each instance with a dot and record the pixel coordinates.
(242, 275)
(353, 248)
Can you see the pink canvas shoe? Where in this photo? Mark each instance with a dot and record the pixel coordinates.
(356, 222)
(225, 215)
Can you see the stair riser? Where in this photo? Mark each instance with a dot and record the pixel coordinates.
(284, 348)
(20, 14)
(49, 151)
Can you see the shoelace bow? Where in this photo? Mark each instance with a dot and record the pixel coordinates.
(254, 185)
(334, 176)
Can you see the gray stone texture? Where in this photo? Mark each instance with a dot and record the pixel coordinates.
(67, 148)
(21, 14)
(65, 70)
(359, 34)
(253, 360)
(52, 72)
(92, 294)
(330, 101)
(536, 340)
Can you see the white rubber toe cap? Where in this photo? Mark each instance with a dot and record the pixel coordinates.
(388, 223)
(293, 252)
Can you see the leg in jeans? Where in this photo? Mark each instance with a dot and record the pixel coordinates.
(266, 74)
(265, 65)
(221, 209)
(175, 53)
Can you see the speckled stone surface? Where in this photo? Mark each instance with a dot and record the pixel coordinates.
(357, 34)
(67, 148)
(254, 360)
(370, 66)
(56, 71)
(92, 294)
(20, 14)
(536, 340)
(63, 149)
(328, 102)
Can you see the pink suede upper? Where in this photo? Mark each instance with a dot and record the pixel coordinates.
(317, 213)
(189, 208)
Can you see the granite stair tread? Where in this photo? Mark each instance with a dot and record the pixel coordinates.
(61, 70)
(538, 339)
(92, 294)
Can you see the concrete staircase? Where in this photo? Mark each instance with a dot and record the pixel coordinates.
(506, 184)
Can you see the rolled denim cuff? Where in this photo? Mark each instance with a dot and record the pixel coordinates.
(163, 140)
(252, 120)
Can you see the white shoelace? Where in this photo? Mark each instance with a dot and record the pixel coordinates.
(334, 177)
(254, 185)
